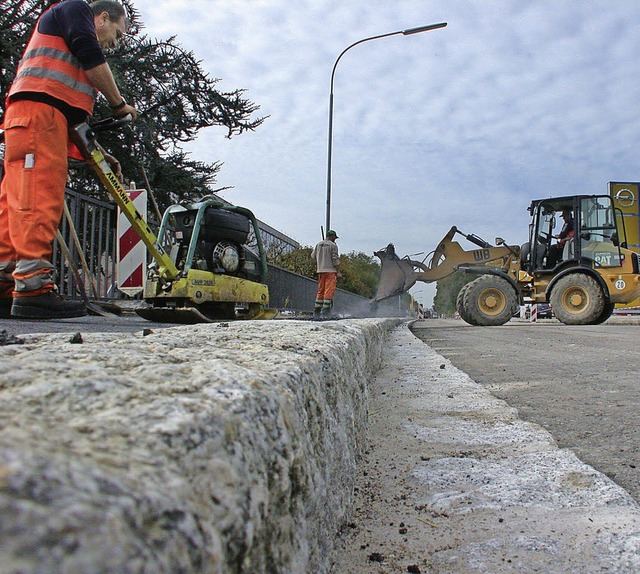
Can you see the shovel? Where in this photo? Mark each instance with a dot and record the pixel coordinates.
(91, 308)
(83, 261)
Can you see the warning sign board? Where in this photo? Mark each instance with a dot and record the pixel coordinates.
(131, 251)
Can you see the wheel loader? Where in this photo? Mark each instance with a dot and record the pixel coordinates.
(203, 269)
(583, 281)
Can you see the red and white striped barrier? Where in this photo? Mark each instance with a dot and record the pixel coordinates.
(534, 313)
(131, 251)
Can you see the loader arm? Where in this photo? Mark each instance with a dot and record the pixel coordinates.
(399, 275)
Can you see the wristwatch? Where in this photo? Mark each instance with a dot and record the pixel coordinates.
(119, 106)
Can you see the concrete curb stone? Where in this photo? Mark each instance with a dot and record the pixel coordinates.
(210, 448)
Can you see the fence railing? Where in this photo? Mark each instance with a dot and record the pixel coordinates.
(94, 240)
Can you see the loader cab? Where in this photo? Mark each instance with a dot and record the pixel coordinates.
(593, 240)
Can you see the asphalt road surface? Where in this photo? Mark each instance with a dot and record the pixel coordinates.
(127, 322)
(581, 383)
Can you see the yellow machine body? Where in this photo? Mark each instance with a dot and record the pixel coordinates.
(206, 287)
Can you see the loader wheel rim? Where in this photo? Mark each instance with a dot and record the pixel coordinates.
(492, 302)
(575, 300)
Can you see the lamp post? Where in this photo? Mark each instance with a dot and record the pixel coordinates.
(407, 32)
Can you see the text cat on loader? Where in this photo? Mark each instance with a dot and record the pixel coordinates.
(203, 270)
(595, 270)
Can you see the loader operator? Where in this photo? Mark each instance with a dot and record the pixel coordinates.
(327, 264)
(54, 89)
(566, 233)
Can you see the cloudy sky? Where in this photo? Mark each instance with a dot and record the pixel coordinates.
(514, 100)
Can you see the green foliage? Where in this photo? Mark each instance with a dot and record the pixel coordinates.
(17, 18)
(447, 290)
(167, 85)
(360, 273)
(299, 261)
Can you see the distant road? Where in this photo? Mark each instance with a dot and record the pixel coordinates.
(582, 383)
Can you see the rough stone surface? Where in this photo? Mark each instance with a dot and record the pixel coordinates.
(213, 448)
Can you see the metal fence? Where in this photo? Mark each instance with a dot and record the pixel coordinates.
(91, 241)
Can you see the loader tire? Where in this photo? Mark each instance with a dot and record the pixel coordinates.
(460, 306)
(606, 313)
(577, 299)
(489, 301)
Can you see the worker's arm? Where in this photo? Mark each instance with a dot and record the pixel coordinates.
(101, 78)
(335, 259)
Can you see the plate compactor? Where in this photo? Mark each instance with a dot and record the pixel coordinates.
(203, 270)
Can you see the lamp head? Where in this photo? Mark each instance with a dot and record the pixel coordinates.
(423, 29)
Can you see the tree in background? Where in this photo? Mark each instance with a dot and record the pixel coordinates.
(174, 96)
(360, 273)
(447, 290)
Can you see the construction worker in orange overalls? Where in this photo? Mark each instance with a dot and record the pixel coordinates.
(54, 88)
(554, 255)
(327, 265)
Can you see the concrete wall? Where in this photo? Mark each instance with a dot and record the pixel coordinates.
(289, 290)
(223, 448)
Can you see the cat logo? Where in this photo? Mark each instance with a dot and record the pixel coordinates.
(604, 259)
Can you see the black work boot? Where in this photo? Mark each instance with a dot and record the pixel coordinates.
(6, 298)
(48, 305)
(5, 307)
(325, 314)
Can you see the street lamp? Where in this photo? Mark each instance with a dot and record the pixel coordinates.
(407, 32)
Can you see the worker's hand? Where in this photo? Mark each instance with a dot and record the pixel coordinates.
(338, 274)
(127, 109)
(115, 166)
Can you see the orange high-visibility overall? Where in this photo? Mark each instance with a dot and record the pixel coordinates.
(35, 164)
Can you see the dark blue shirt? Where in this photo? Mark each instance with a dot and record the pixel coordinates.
(72, 20)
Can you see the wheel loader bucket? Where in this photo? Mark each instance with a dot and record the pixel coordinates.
(397, 275)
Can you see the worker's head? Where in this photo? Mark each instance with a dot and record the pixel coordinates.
(332, 235)
(566, 214)
(110, 21)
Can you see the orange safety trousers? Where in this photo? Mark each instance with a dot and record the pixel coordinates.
(32, 193)
(327, 283)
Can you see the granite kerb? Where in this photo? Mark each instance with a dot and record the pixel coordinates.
(212, 448)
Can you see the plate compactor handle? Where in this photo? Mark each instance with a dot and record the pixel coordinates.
(111, 123)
